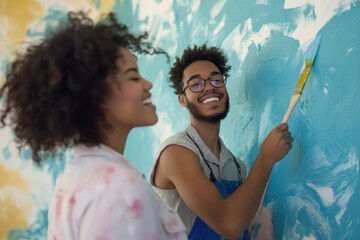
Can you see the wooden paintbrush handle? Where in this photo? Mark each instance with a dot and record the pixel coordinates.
(262, 199)
(294, 99)
(293, 102)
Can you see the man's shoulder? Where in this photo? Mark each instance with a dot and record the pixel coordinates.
(180, 136)
(178, 141)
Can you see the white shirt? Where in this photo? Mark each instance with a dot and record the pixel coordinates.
(102, 196)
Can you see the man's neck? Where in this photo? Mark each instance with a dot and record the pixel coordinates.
(209, 133)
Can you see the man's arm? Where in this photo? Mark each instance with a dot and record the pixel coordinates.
(229, 217)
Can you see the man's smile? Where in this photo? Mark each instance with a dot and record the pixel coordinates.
(211, 98)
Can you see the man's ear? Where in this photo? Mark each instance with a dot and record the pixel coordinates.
(182, 100)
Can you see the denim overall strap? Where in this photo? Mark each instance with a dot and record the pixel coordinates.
(200, 230)
(212, 177)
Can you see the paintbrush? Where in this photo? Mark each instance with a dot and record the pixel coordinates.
(309, 55)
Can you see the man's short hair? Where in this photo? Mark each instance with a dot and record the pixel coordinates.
(190, 55)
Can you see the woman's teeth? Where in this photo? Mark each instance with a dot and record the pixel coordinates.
(146, 101)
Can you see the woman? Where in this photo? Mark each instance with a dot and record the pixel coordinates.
(82, 88)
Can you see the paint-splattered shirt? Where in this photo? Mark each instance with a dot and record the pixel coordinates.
(102, 196)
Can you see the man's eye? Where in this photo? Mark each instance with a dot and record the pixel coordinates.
(218, 78)
(196, 84)
(135, 79)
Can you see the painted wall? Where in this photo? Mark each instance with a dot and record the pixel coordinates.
(314, 192)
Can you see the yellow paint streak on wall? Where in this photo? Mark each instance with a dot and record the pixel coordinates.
(18, 15)
(106, 6)
(15, 201)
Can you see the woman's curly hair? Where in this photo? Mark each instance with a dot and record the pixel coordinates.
(190, 55)
(53, 91)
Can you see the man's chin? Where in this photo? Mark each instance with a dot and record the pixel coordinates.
(214, 118)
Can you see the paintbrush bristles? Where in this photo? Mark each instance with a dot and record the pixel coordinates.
(302, 80)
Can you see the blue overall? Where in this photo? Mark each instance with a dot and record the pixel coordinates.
(201, 231)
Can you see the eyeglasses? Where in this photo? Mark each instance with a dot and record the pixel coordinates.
(198, 84)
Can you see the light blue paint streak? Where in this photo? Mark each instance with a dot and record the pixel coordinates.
(53, 21)
(97, 3)
(37, 231)
(6, 153)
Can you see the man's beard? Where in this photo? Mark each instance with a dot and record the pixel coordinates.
(212, 118)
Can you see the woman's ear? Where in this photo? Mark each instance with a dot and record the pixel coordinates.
(103, 105)
(182, 100)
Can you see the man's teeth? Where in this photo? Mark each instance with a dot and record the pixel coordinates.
(211, 99)
(146, 101)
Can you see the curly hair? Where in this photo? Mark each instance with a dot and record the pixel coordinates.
(190, 55)
(53, 90)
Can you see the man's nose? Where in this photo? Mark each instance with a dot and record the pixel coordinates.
(208, 86)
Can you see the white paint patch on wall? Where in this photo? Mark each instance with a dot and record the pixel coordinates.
(163, 129)
(326, 89)
(340, 185)
(349, 51)
(347, 187)
(195, 5)
(40, 180)
(70, 5)
(189, 18)
(262, 2)
(220, 26)
(18, 197)
(310, 237)
(240, 39)
(309, 25)
(310, 211)
(215, 10)
(342, 202)
(352, 163)
(160, 22)
(264, 121)
(4, 43)
(326, 193)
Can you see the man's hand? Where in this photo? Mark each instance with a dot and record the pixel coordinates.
(276, 145)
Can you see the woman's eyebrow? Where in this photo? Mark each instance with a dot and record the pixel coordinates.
(134, 69)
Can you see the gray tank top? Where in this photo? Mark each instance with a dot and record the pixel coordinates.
(223, 169)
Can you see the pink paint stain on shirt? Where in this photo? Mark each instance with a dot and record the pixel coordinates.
(104, 172)
(173, 223)
(58, 205)
(153, 236)
(136, 208)
(72, 200)
(130, 176)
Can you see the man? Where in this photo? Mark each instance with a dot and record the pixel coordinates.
(194, 172)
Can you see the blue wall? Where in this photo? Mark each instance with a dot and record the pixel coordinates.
(313, 193)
